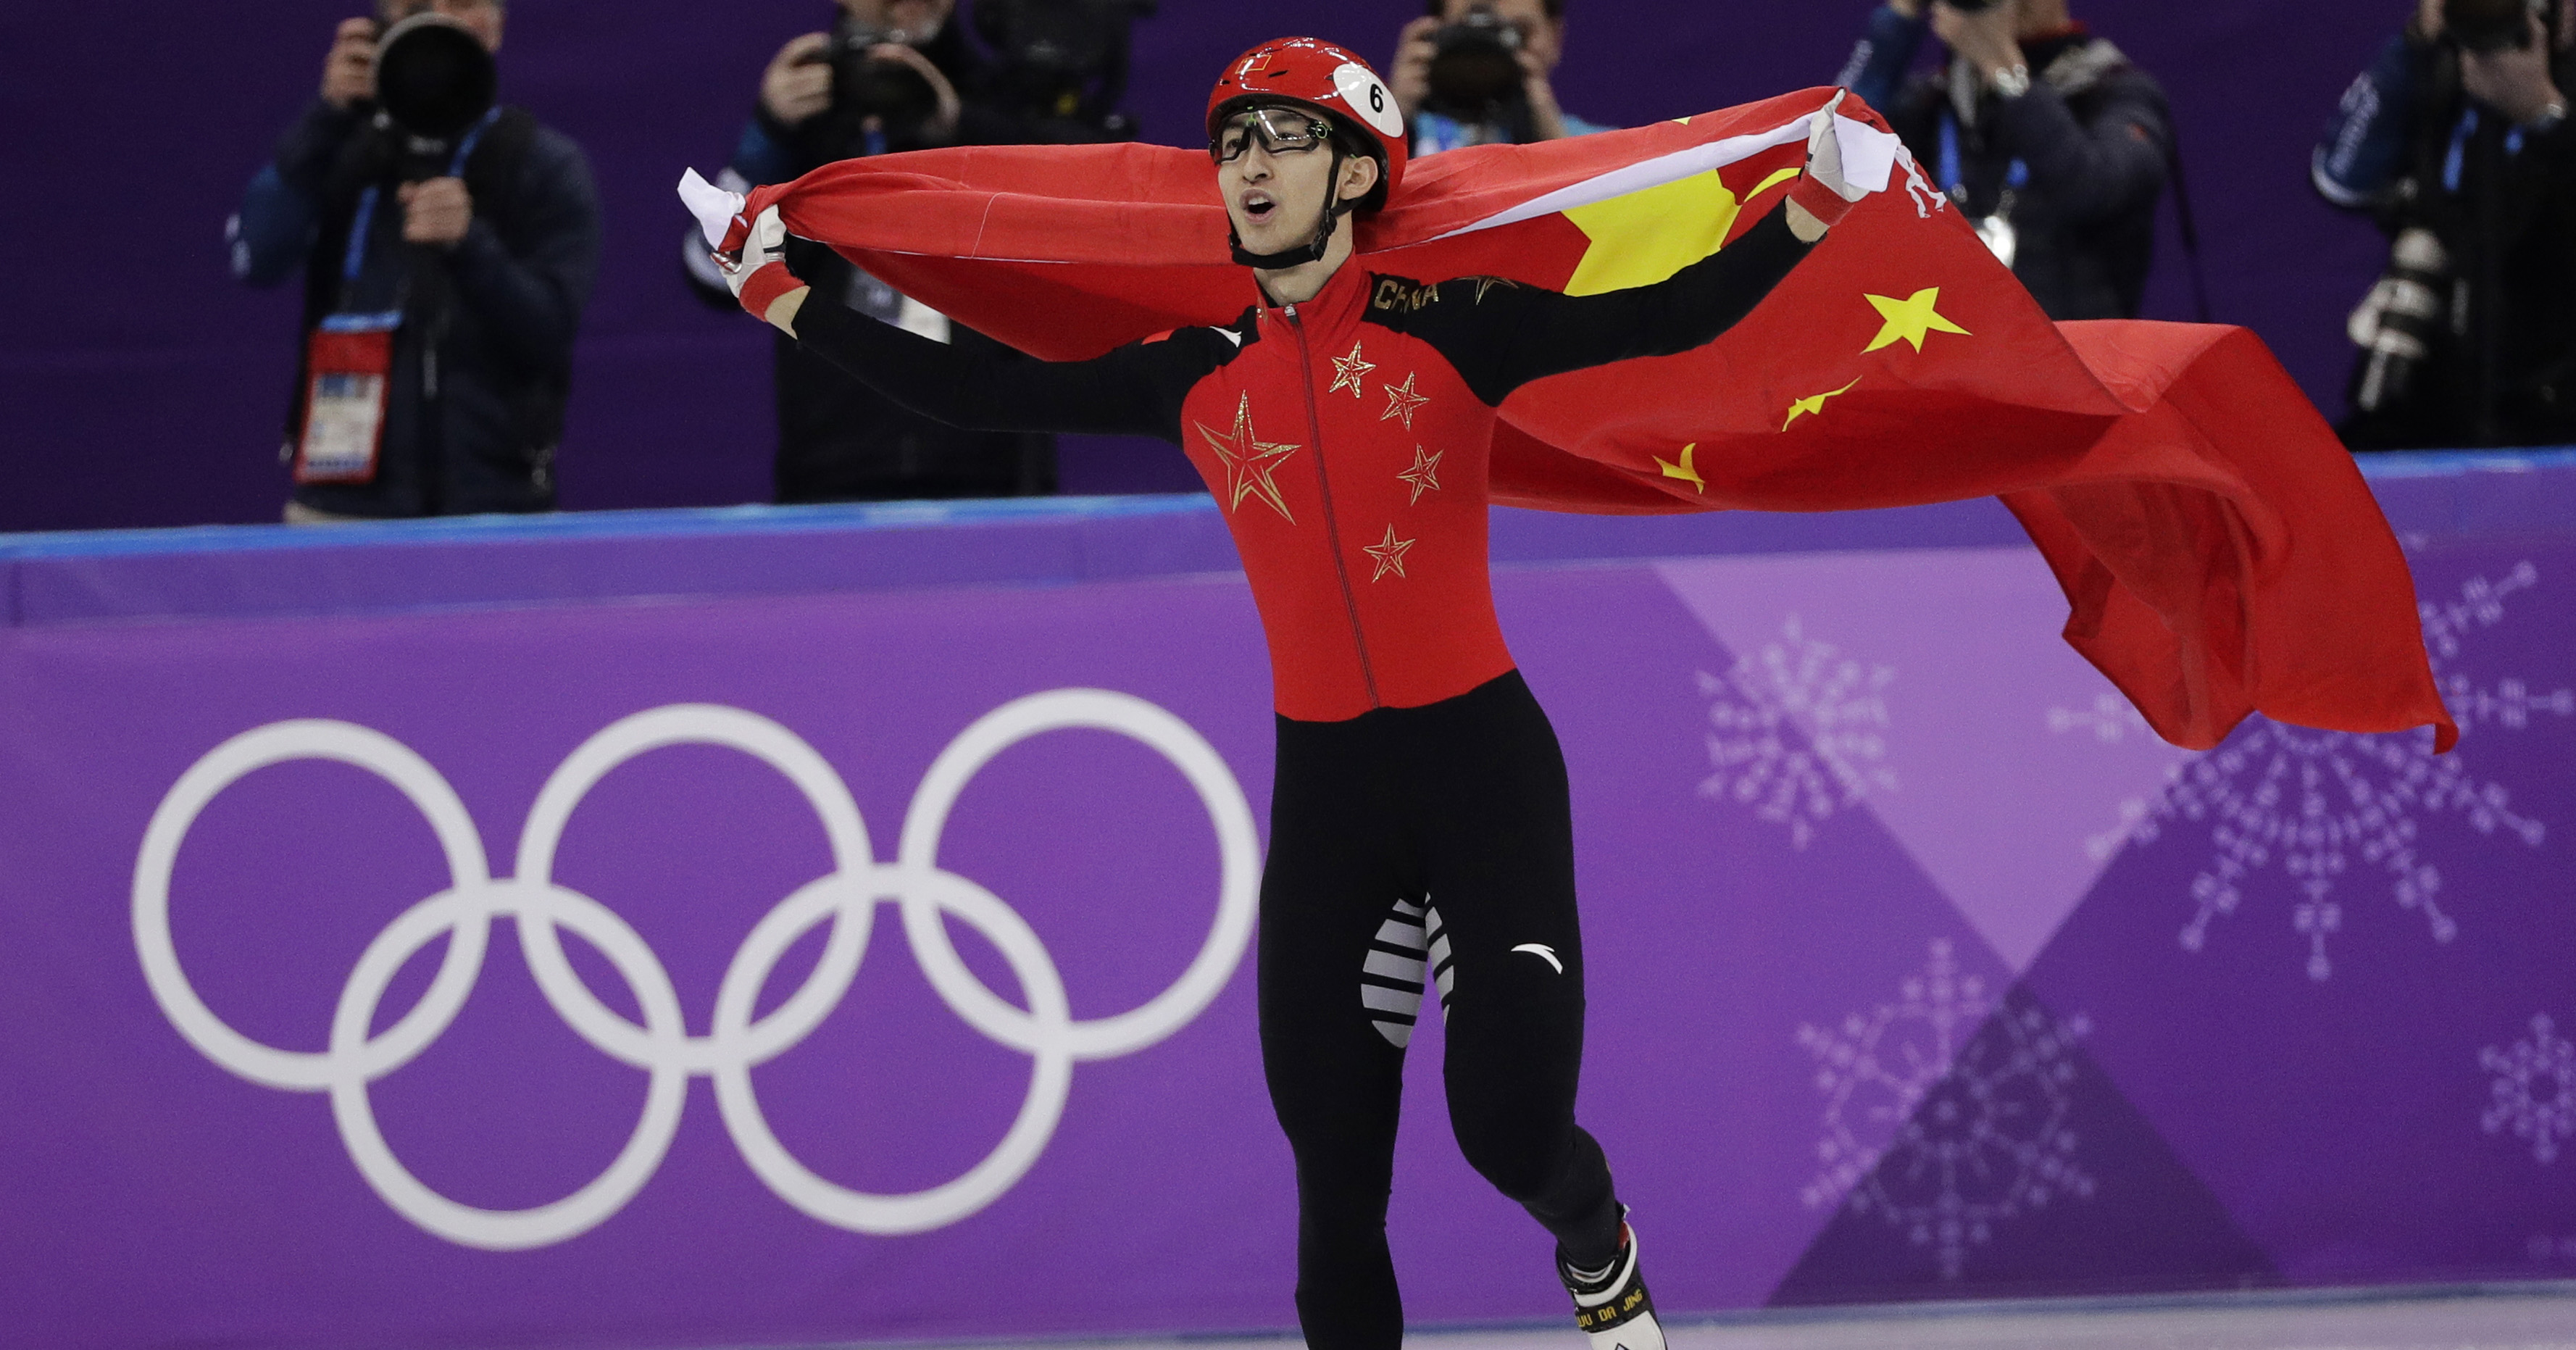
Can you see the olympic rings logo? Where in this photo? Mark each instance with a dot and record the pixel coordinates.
(737, 1042)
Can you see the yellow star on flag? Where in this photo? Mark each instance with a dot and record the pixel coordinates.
(1683, 470)
(1347, 371)
(1389, 553)
(1425, 473)
(1909, 319)
(1248, 461)
(1642, 237)
(1815, 407)
(1401, 401)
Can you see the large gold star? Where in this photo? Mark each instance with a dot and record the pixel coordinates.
(1909, 319)
(1425, 473)
(1683, 470)
(1347, 371)
(1645, 236)
(1401, 401)
(1815, 407)
(1248, 461)
(1389, 553)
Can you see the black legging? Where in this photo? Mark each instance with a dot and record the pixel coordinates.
(1414, 846)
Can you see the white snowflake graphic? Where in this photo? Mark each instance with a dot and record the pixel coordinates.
(2112, 720)
(1946, 1114)
(2321, 802)
(2534, 1090)
(1795, 731)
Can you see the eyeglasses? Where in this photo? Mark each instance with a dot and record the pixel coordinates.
(1281, 131)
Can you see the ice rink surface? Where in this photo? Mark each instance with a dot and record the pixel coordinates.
(2528, 1317)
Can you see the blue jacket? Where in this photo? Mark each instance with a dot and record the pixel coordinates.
(483, 358)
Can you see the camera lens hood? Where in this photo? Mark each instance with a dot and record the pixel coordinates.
(434, 77)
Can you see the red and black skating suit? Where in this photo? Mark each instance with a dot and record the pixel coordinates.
(1420, 832)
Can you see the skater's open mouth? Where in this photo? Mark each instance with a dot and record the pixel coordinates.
(1257, 206)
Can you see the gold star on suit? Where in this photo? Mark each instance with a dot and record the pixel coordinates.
(1248, 461)
(1909, 319)
(1425, 473)
(1389, 553)
(1347, 371)
(1401, 401)
(1815, 407)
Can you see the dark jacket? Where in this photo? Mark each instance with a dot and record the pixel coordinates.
(2075, 165)
(839, 440)
(2411, 148)
(482, 363)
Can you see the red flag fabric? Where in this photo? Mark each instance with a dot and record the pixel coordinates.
(2220, 553)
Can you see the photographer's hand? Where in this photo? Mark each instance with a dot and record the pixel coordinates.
(2514, 80)
(943, 123)
(1409, 78)
(1547, 121)
(436, 211)
(797, 84)
(1983, 39)
(2427, 28)
(349, 72)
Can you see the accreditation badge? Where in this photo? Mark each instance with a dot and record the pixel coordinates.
(349, 363)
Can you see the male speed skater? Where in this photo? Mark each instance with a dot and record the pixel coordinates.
(1421, 839)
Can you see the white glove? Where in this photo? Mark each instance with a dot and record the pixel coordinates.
(763, 245)
(739, 247)
(1825, 153)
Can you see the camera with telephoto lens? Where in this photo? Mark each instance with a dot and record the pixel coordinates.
(434, 78)
(2492, 25)
(868, 85)
(1475, 62)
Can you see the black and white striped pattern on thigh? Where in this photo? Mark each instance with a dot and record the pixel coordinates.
(1391, 979)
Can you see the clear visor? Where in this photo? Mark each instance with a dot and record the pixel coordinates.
(1281, 131)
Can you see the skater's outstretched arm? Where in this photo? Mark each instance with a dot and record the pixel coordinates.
(1136, 389)
(1501, 336)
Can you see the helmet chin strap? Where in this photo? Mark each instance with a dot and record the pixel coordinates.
(1303, 253)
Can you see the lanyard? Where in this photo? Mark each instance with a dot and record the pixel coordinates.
(2461, 131)
(355, 259)
(1952, 177)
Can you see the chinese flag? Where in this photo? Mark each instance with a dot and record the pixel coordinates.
(2220, 553)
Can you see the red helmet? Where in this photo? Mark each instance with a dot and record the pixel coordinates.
(1320, 76)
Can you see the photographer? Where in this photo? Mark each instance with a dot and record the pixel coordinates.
(2045, 135)
(448, 245)
(896, 75)
(2457, 140)
(1475, 72)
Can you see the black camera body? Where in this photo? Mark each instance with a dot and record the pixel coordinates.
(1475, 63)
(868, 85)
(1062, 64)
(2494, 25)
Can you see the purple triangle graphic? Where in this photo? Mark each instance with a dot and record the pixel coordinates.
(1936, 687)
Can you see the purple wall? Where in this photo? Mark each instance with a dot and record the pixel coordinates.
(1921, 969)
(140, 386)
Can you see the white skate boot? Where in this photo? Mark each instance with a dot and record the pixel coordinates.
(1612, 1306)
